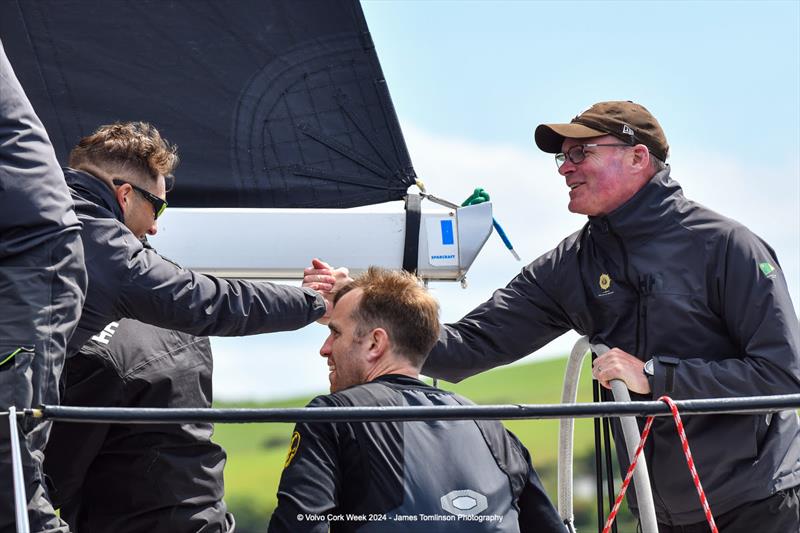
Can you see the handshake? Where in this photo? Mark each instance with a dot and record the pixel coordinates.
(326, 280)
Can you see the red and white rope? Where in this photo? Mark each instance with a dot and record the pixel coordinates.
(689, 461)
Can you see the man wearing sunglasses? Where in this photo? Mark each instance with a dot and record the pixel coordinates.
(158, 204)
(118, 177)
(136, 179)
(693, 304)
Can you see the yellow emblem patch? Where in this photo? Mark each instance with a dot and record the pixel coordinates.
(293, 447)
(605, 281)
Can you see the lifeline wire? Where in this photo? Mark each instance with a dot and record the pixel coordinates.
(746, 405)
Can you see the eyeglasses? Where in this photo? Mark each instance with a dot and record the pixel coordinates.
(577, 153)
(159, 205)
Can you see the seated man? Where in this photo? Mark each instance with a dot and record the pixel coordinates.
(459, 475)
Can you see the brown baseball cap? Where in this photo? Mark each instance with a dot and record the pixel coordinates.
(625, 120)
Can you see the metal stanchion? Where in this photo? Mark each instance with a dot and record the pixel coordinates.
(20, 499)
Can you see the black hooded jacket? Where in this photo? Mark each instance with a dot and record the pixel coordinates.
(665, 278)
(127, 280)
(126, 478)
(42, 289)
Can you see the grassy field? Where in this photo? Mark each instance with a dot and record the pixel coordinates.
(256, 451)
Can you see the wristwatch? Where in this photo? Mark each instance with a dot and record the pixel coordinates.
(648, 369)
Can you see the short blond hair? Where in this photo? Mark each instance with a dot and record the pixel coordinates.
(125, 147)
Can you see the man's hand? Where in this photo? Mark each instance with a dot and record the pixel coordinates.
(618, 364)
(326, 280)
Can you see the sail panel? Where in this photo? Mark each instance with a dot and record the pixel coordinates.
(278, 103)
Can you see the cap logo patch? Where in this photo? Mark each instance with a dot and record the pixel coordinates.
(294, 445)
(627, 130)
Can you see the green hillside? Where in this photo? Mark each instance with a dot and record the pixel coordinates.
(256, 451)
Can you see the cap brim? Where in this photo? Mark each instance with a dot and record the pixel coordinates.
(550, 137)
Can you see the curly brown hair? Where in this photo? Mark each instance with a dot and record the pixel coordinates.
(398, 303)
(127, 147)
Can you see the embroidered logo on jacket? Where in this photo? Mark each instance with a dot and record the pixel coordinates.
(293, 447)
(605, 282)
(767, 269)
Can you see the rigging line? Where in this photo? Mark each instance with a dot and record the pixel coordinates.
(598, 452)
(350, 154)
(310, 172)
(609, 461)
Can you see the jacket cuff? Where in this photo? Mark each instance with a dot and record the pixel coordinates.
(318, 306)
(664, 370)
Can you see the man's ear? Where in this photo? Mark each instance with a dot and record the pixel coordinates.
(641, 157)
(123, 196)
(378, 341)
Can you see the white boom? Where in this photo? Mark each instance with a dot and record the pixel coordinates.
(279, 243)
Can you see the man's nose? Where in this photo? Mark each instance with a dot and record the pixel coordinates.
(153, 229)
(325, 350)
(567, 167)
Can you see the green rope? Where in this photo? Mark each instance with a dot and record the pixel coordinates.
(477, 197)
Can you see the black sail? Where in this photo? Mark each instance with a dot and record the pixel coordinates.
(273, 103)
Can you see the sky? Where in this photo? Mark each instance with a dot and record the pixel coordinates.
(470, 80)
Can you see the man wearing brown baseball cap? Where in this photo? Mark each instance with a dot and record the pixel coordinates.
(693, 304)
(627, 121)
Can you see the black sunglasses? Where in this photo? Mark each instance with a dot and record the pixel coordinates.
(159, 205)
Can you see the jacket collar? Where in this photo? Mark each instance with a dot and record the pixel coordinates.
(401, 379)
(648, 210)
(93, 190)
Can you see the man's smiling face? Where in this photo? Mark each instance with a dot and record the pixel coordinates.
(600, 183)
(346, 353)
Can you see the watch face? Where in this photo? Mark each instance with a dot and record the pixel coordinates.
(648, 368)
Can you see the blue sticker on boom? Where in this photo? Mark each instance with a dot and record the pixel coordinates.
(447, 232)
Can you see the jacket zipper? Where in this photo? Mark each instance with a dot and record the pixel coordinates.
(630, 282)
(646, 284)
(642, 288)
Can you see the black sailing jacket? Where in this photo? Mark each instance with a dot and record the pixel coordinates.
(42, 289)
(663, 277)
(432, 476)
(128, 478)
(126, 280)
